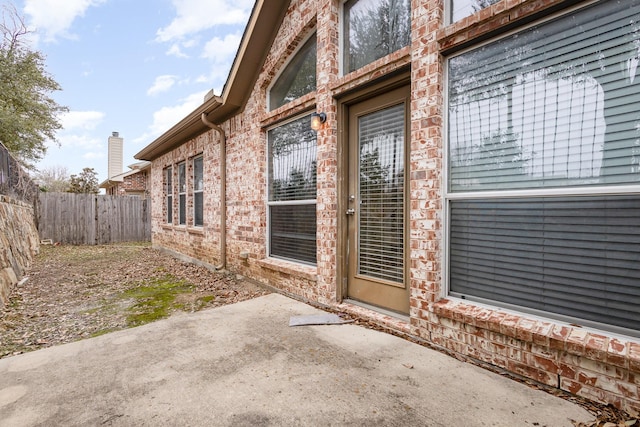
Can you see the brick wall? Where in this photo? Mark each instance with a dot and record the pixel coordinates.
(593, 364)
(137, 183)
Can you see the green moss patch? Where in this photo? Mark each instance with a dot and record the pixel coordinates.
(155, 299)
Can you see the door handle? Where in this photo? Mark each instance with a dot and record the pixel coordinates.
(350, 211)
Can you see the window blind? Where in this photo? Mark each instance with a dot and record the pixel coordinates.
(575, 256)
(552, 106)
(293, 232)
(182, 196)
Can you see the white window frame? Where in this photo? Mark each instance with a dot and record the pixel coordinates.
(283, 203)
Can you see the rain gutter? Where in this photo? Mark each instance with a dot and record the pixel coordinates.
(223, 190)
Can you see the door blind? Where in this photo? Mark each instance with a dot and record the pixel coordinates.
(381, 214)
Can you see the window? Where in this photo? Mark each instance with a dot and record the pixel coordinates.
(182, 193)
(292, 191)
(462, 8)
(298, 77)
(198, 186)
(373, 29)
(544, 168)
(168, 193)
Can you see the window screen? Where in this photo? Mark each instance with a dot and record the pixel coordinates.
(292, 191)
(552, 106)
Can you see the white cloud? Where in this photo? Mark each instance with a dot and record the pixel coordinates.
(222, 51)
(85, 120)
(176, 51)
(167, 117)
(193, 16)
(81, 141)
(53, 18)
(76, 133)
(162, 84)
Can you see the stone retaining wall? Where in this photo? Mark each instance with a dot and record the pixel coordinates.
(19, 243)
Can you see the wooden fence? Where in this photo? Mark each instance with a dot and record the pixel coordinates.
(89, 219)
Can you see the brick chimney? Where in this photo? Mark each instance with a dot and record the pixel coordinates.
(114, 164)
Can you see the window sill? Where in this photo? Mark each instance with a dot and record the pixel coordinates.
(299, 270)
(195, 230)
(174, 227)
(615, 350)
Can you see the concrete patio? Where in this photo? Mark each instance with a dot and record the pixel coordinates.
(242, 365)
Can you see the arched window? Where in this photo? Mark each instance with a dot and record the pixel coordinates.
(298, 77)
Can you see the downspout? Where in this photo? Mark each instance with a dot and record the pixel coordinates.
(223, 190)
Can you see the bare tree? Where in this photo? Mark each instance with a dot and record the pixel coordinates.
(53, 179)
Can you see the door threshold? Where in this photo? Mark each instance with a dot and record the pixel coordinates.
(380, 310)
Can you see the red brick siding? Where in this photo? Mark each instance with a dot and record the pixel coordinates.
(202, 243)
(137, 183)
(593, 364)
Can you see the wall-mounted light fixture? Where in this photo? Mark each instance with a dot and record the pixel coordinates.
(317, 119)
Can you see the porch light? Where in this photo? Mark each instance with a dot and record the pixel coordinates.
(317, 119)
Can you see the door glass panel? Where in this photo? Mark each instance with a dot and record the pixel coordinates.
(381, 194)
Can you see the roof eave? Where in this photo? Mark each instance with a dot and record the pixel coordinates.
(186, 129)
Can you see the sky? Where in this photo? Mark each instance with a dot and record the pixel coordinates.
(136, 67)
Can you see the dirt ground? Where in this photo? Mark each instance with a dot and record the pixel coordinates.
(76, 292)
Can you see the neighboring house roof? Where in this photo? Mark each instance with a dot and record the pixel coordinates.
(116, 179)
(261, 30)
